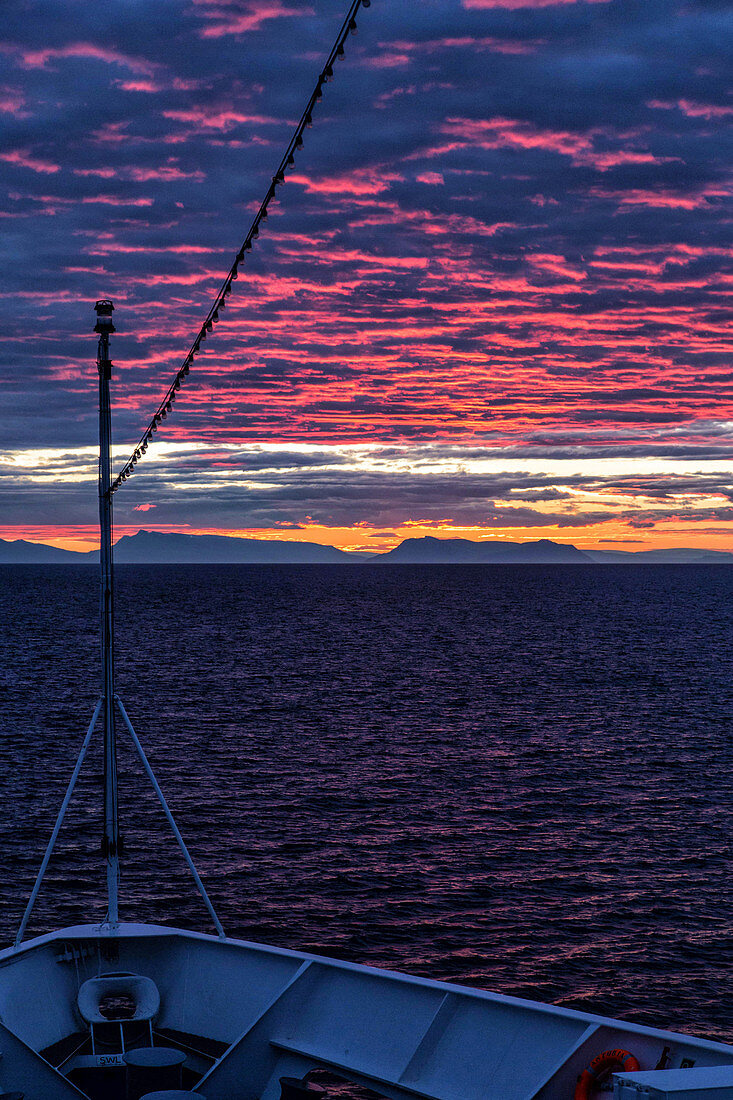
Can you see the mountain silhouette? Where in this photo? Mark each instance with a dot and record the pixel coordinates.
(156, 547)
(21, 552)
(429, 550)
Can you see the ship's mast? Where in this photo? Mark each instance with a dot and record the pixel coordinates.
(109, 702)
(110, 836)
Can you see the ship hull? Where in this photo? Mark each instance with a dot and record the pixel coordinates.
(247, 1014)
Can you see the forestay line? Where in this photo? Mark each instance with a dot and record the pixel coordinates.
(288, 160)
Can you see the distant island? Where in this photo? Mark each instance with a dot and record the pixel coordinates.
(157, 548)
(433, 551)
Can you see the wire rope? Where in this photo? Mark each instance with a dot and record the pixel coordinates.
(287, 161)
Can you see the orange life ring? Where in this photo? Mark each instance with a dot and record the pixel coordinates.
(619, 1060)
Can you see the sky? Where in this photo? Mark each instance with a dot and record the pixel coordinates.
(492, 300)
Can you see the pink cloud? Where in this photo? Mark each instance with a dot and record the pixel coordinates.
(391, 214)
(38, 59)
(497, 45)
(22, 158)
(218, 119)
(494, 133)
(112, 132)
(143, 507)
(102, 173)
(226, 19)
(661, 197)
(691, 108)
(116, 248)
(604, 161)
(365, 181)
(114, 200)
(140, 86)
(430, 178)
(158, 85)
(103, 200)
(165, 173)
(556, 265)
(500, 132)
(391, 60)
(12, 102)
(190, 279)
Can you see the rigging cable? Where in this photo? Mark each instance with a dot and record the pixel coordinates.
(287, 161)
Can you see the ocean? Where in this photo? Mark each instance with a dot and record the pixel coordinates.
(514, 777)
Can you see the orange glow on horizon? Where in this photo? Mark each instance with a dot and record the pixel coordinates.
(366, 538)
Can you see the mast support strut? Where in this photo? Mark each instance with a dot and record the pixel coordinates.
(171, 820)
(57, 827)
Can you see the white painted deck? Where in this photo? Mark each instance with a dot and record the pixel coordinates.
(286, 1013)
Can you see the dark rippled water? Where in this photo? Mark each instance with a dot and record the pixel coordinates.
(514, 777)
